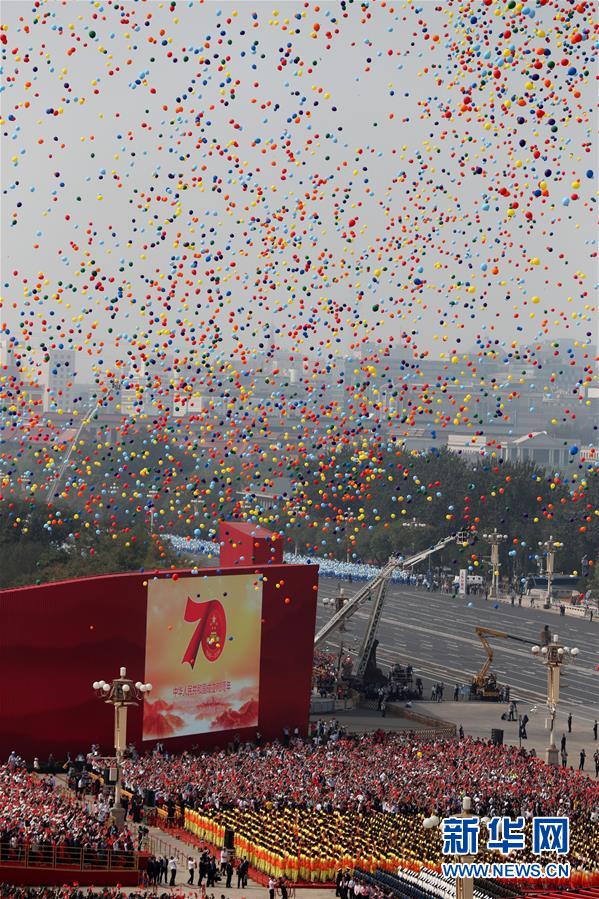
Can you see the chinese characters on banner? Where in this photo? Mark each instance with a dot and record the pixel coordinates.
(505, 835)
(202, 655)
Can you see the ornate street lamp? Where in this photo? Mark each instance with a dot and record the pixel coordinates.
(495, 540)
(121, 693)
(550, 546)
(553, 656)
(464, 886)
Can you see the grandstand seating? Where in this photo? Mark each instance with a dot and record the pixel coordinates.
(424, 884)
(496, 889)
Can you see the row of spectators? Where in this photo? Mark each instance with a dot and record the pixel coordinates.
(370, 772)
(309, 844)
(301, 808)
(351, 571)
(36, 814)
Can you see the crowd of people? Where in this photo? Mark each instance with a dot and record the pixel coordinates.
(330, 673)
(349, 571)
(35, 814)
(363, 796)
(369, 772)
(299, 806)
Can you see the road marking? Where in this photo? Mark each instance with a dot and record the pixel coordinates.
(473, 641)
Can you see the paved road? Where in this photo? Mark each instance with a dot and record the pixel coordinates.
(435, 633)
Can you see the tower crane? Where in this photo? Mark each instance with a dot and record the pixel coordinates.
(376, 589)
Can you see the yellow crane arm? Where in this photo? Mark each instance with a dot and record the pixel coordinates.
(483, 633)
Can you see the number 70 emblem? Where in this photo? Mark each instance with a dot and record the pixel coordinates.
(210, 632)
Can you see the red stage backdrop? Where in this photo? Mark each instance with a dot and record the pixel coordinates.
(229, 650)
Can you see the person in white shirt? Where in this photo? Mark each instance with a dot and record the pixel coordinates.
(172, 867)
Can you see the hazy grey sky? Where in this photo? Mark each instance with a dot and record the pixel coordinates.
(353, 186)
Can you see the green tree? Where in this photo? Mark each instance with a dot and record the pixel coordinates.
(37, 547)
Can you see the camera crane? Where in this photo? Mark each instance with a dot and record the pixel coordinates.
(94, 405)
(377, 588)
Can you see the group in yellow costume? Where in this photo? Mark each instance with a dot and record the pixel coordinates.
(310, 845)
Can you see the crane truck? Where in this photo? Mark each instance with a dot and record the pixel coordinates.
(484, 684)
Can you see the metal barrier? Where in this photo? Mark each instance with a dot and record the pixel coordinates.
(75, 858)
(159, 847)
(437, 727)
(166, 822)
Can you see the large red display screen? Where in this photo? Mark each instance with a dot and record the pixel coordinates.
(203, 655)
(251, 628)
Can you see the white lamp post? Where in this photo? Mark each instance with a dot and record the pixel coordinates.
(121, 694)
(464, 886)
(495, 540)
(550, 546)
(553, 656)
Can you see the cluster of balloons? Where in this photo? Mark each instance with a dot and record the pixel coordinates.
(242, 240)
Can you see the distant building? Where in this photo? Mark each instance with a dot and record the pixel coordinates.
(59, 380)
(133, 392)
(18, 390)
(590, 455)
(7, 358)
(540, 448)
(11, 368)
(268, 495)
(83, 394)
(159, 392)
(537, 447)
(476, 445)
(190, 406)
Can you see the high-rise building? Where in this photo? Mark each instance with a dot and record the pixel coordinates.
(60, 380)
(18, 385)
(133, 393)
(160, 378)
(8, 361)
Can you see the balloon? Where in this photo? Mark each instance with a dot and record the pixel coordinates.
(262, 296)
